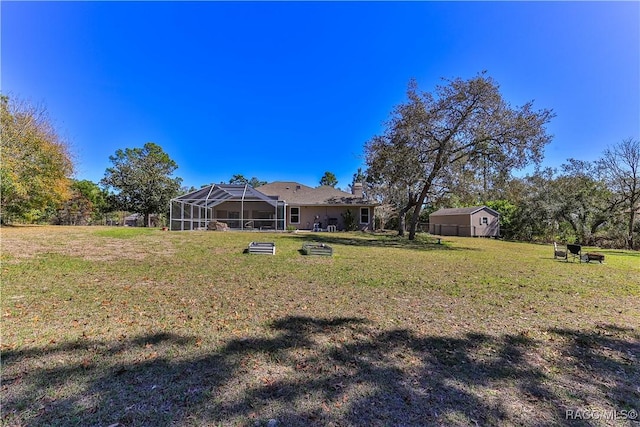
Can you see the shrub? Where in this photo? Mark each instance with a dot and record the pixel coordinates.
(349, 221)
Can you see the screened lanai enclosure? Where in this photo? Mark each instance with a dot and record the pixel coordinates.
(240, 207)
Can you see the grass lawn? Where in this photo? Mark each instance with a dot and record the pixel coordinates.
(131, 327)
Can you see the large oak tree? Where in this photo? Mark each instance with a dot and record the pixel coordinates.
(464, 125)
(142, 180)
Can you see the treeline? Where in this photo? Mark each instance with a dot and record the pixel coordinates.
(37, 185)
(456, 146)
(581, 202)
(591, 203)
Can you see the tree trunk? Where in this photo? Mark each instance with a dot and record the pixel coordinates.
(596, 224)
(413, 223)
(631, 220)
(418, 207)
(574, 227)
(401, 223)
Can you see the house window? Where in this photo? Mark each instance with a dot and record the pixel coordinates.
(364, 215)
(294, 215)
(484, 220)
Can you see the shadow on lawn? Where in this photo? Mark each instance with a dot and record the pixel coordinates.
(377, 241)
(620, 253)
(340, 371)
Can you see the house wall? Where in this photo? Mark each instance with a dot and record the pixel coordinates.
(255, 214)
(327, 215)
(261, 215)
(478, 228)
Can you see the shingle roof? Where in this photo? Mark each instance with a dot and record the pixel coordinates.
(299, 194)
(461, 211)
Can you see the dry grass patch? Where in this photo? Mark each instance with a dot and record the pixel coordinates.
(85, 242)
(191, 331)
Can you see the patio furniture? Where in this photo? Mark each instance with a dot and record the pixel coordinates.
(557, 253)
(575, 251)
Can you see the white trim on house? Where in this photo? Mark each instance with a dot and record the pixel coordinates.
(291, 214)
(362, 209)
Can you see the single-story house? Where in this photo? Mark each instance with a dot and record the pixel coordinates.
(237, 206)
(309, 208)
(479, 221)
(274, 206)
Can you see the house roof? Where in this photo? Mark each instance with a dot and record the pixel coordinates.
(295, 193)
(462, 211)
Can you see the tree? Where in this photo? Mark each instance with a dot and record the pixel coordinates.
(534, 218)
(464, 122)
(142, 180)
(36, 163)
(507, 211)
(328, 179)
(87, 204)
(621, 166)
(241, 180)
(582, 199)
(393, 178)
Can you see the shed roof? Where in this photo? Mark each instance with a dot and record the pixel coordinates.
(462, 211)
(295, 193)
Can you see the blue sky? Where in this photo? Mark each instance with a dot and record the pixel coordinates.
(289, 90)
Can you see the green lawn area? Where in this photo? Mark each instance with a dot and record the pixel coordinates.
(130, 327)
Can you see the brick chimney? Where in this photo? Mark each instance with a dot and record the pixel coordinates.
(356, 189)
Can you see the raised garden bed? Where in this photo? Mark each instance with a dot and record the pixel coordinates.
(264, 248)
(317, 249)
